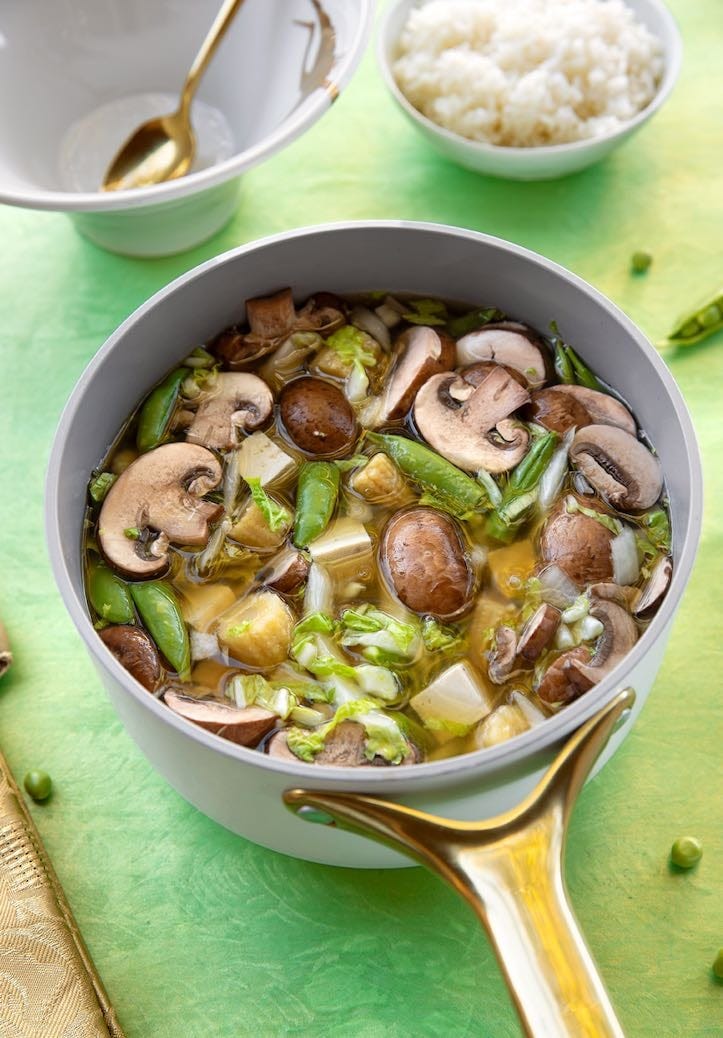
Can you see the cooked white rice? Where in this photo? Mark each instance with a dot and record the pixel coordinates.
(525, 73)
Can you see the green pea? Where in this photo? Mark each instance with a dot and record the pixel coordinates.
(470, 322)
(100, 485)
(159, 609)
(109, 595)
(710, 317)
(38, 784)
(157, 411)
(686, 852)
(718, 965)
(455, 489)
(640, 261)
(316, 495)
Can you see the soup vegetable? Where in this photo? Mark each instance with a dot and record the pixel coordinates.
(375, 531)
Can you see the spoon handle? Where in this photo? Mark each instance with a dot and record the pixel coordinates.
(214, 36)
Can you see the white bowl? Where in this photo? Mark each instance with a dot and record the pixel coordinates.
(542, 163)
(242, 788)
(77, 77)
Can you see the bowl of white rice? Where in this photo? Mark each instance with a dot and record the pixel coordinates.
(528, 89)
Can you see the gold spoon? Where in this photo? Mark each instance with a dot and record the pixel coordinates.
(163, 148)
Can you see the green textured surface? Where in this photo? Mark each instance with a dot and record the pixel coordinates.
(198, 933)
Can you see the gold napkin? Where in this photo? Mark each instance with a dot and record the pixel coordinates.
(49, 987)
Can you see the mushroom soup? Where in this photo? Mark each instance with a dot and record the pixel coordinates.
(375, 531)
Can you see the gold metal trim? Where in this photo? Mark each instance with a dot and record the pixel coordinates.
(332, 90)
(48, 982)
(509, 869)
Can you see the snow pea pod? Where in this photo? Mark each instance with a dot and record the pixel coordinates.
(161, 613)
(699, 323)
(316, 494)
(571, 369)
(520, 493)
(157, 411)
(109, 595)
(470, 322)
(100, 485)
(456, 491)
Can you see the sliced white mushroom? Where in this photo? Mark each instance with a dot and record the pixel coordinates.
(509, 343)
(471, 426)
(155, 502)
(420, 352)
(239, 402)
(618, 466)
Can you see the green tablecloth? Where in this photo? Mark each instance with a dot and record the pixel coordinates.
(197, 932)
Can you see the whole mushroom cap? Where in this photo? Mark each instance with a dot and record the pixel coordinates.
(317, 417)
(422, 552)
(579, 545)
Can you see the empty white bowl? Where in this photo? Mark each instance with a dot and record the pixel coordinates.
(76, 78)
(538, 163)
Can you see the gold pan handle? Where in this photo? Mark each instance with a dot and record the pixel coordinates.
(509, 869)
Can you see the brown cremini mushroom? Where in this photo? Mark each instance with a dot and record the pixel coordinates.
(618, 637)
(566, 407)
(158, 494)
(654, 588)
(286, 572)
(470, 426)
(579, 545)
(239, 402)
(317, 417)
(243, 725)
(272, 319)
(344, 748)
(476, 373)
(422, 551)
(135, 651)
(503, 655)
(509, 343)
(420, 352)
(538, 633)
(558, 411)
(560, 683)
(618, 466)
(602, 408)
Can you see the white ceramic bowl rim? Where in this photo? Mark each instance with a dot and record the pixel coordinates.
(288, 131)
(479, 762)
(671, 72)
